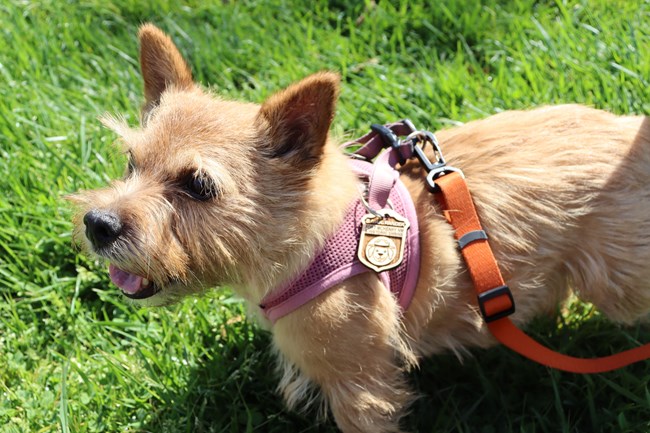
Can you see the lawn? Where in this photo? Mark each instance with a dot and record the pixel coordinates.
(74, 357)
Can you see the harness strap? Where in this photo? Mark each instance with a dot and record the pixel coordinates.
(495, 299)
(373, 143)
(382, 180)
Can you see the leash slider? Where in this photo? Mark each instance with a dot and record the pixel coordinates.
(502, 308)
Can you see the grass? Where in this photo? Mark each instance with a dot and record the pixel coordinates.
(75, 358)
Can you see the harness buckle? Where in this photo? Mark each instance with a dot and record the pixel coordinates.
(502, 311)
(389, 139)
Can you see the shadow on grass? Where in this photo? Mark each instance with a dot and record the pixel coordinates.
(496, 390)
(232, 390)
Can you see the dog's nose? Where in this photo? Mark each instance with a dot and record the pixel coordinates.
(102, 227)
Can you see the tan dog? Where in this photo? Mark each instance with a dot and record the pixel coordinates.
(228, 193)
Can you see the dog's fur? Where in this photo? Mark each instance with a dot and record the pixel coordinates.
(562, 191)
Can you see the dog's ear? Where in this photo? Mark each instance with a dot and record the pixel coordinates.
(298, 118)
(162, 65)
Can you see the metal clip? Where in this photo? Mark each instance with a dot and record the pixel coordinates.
(362, 196)
(434, 169)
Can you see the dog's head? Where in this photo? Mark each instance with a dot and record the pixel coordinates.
(216, 191)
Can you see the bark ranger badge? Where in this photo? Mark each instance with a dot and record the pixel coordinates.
(383, 239)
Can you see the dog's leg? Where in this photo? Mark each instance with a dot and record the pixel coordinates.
(348, 342)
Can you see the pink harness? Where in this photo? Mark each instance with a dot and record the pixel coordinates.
(338, 261)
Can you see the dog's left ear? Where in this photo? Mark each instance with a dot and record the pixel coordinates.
(162, 65)
(298, 118)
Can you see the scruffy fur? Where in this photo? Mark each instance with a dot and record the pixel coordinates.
(562, 191)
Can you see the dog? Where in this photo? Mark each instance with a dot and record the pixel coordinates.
(220, 192)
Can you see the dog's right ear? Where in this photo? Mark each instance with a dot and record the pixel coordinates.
(162, 65)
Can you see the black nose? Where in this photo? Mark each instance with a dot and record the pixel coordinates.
(102, 227)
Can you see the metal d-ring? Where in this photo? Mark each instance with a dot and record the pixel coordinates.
(367, 205)
(373, 211)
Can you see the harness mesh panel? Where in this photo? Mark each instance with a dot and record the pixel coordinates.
(341, 250)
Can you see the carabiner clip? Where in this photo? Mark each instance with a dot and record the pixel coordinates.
(434, 169)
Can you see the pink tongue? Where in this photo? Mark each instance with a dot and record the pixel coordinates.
(129, 283)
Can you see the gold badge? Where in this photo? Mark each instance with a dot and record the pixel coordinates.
(383, 239)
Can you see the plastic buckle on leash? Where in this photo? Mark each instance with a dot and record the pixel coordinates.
(492, 294)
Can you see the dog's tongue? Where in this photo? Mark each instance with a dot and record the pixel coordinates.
(129, 283)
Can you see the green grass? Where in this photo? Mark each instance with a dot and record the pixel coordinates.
(75, 358)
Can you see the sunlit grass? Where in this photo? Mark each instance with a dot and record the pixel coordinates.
(75, 358)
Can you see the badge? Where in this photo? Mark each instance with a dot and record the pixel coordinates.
(383, 239)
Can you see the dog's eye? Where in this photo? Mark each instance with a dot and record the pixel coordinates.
(130, 167)
(130, 164)
(201, 187)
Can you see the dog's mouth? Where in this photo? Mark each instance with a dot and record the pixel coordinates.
(132, 286)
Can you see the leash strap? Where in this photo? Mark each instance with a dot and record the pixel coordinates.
(494, 297)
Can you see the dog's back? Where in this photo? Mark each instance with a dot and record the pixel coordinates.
(562, 192)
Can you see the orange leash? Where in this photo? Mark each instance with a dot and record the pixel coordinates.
(494, 297)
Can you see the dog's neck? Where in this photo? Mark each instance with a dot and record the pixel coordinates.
(331, 189)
